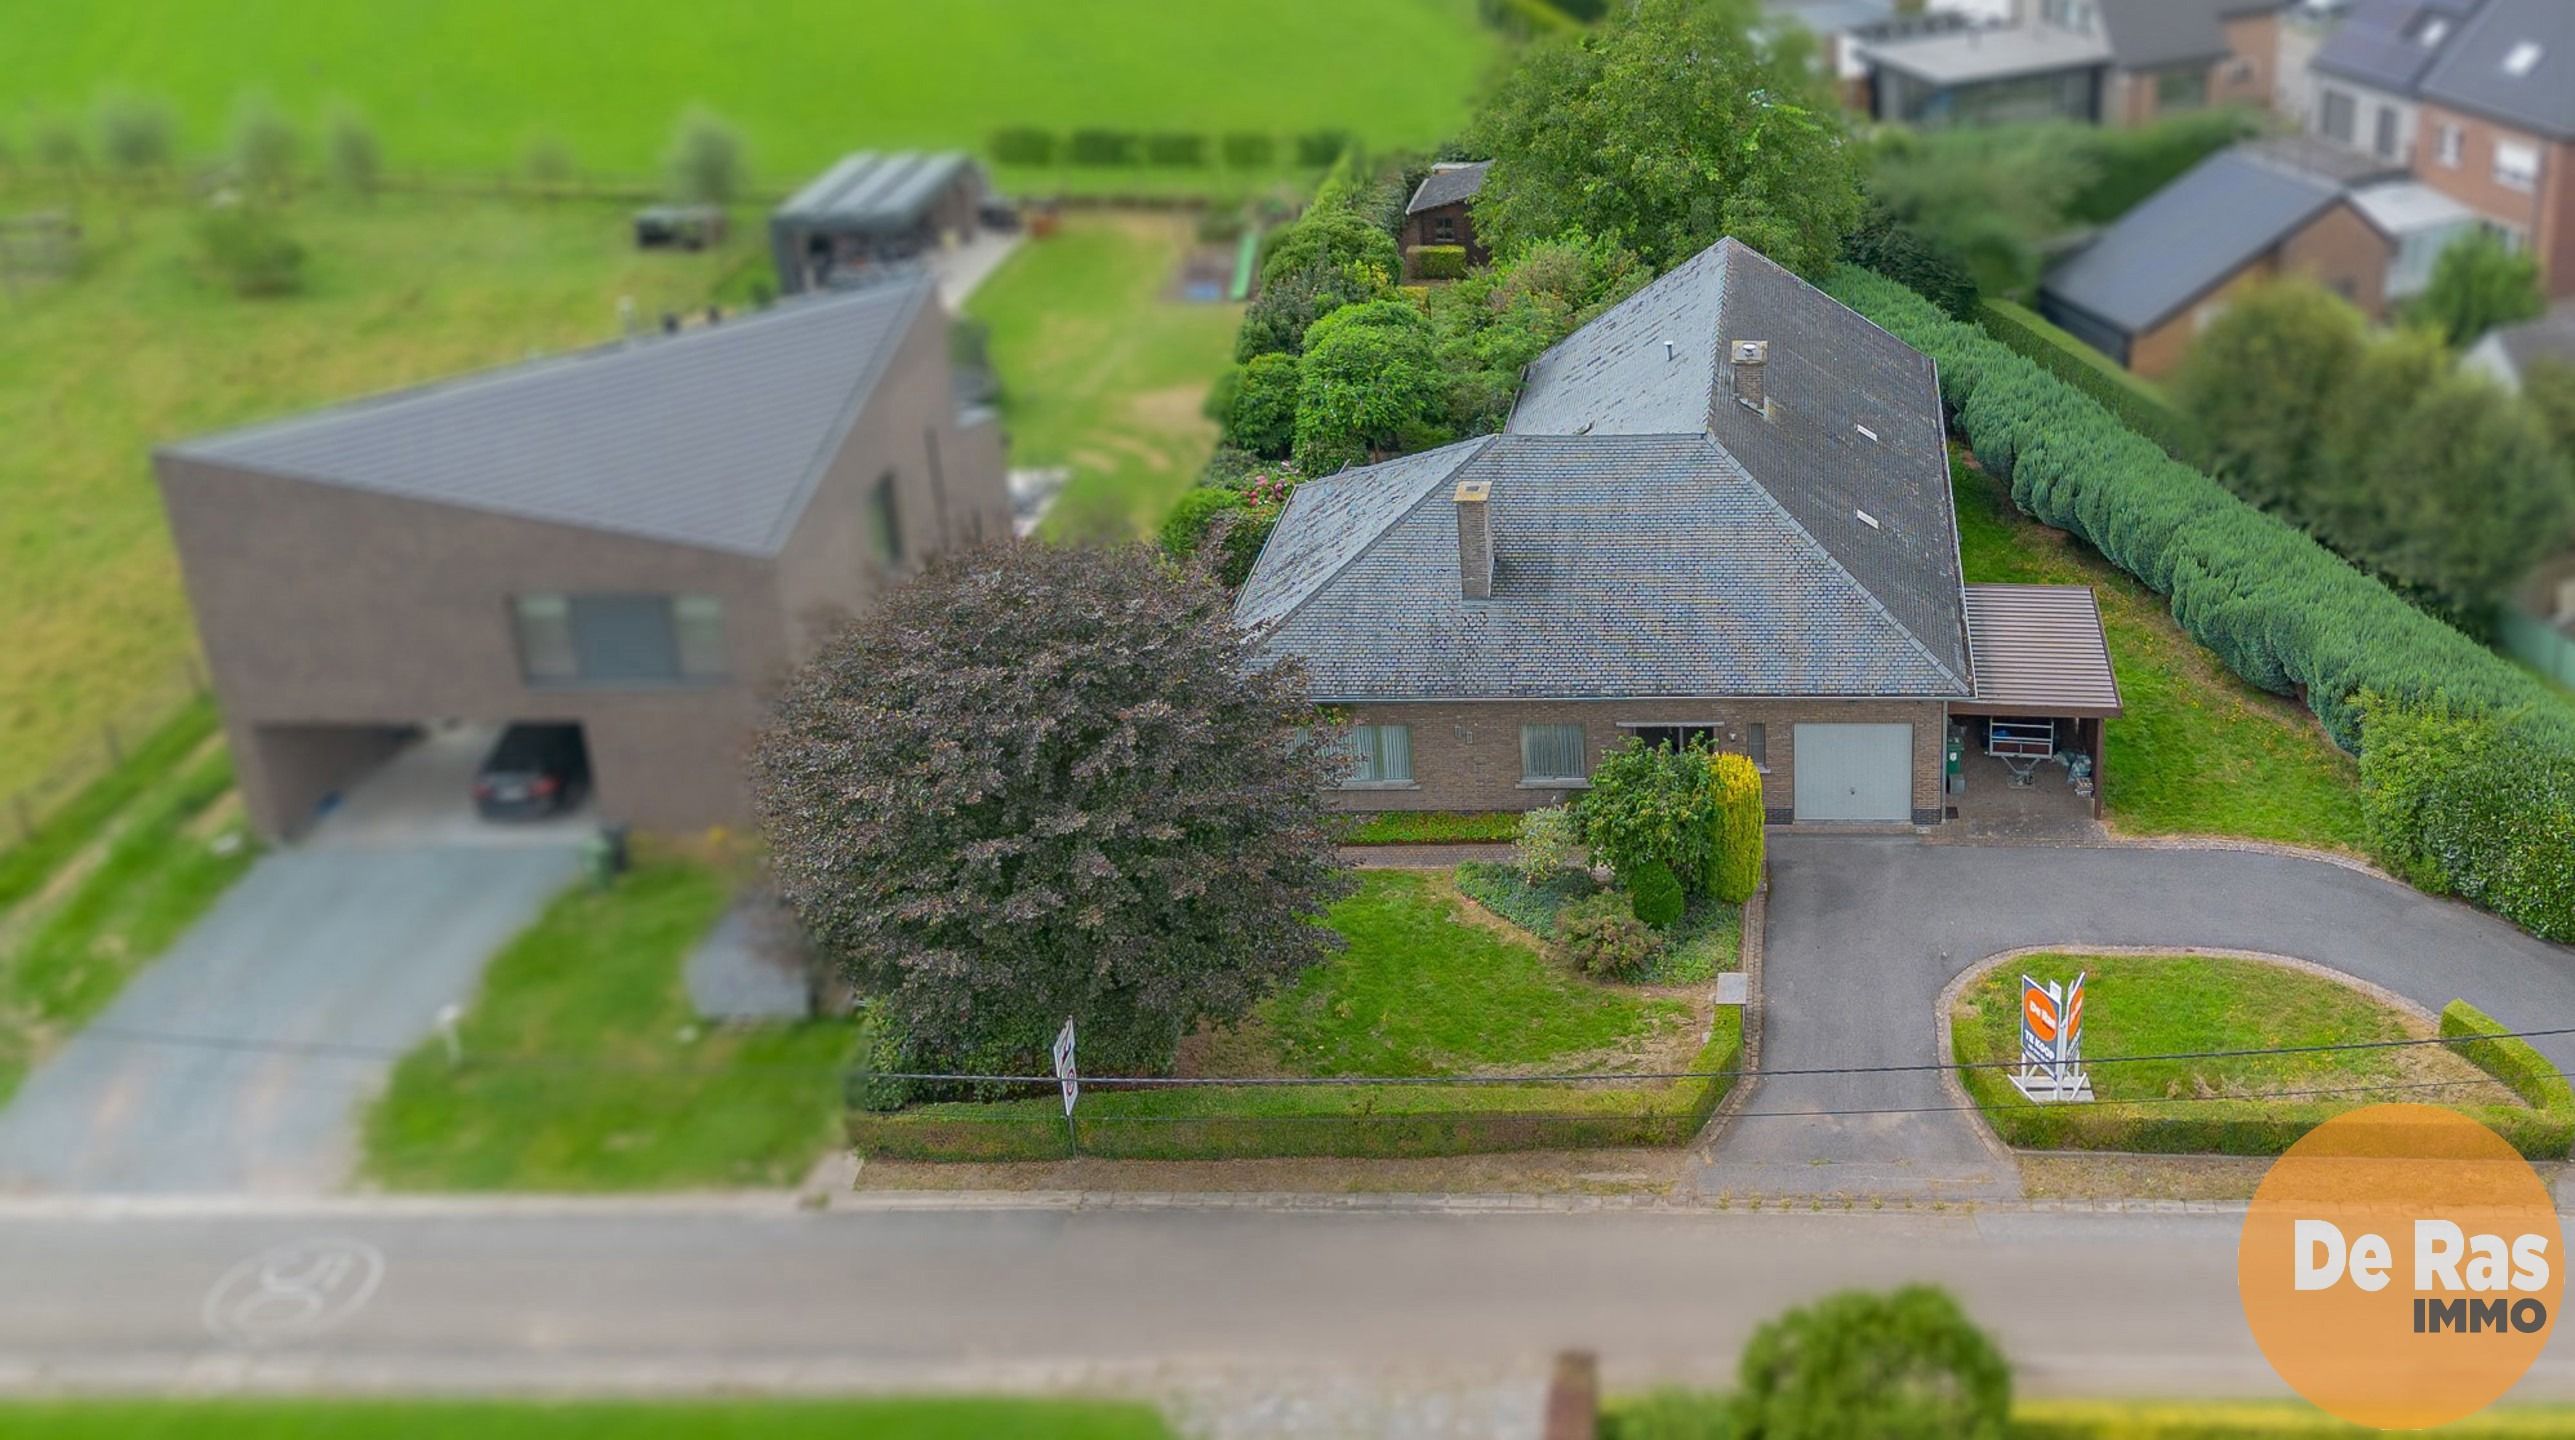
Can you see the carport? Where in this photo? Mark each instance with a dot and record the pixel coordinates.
(2045, 691)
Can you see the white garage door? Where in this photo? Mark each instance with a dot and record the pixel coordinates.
(1854, 772)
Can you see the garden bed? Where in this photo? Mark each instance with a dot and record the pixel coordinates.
(1435, 827)
(1707, 942)
(1429, 987)
(2188, 1003)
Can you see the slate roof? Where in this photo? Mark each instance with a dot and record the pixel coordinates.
(1447, 185)
(2189, 236)
(2470, 74)
(1652, 535)
(713, 438)
(868, 192)
(2381, 42)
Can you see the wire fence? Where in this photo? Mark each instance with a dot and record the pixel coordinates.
(97, 751)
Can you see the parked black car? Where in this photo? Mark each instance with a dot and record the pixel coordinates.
(534, 770)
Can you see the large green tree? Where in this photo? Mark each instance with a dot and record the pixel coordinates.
(2263, 383)
(1369, 386)
(2479, 284)
(1908, 1365)
(1050, 781)
(1668, 127)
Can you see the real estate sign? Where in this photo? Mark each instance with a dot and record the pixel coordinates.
(2052, 1042)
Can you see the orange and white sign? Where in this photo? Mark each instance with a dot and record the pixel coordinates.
(2052, 1042)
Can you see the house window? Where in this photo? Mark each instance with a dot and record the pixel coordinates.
(619, 639)
(2454, 144)
(1552, 753)
(884, 523)
(2386, 145)
(1756, 745)
(1380, 755)
(2516, 165)
(1444, 230)
(2340, 114)
(2181, 89)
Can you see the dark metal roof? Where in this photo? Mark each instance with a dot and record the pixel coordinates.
(2389, 44)
(714, 437)
(2040, 651)
(2472, 75)
(1652, 534)
(1624, 566)
(869, 192)
(1447, 184)
(1980, 53)
(2189, 236)
(2550, 338)
(2157, 34)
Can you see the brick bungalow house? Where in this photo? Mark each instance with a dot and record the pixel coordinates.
(2106, 62)
(637, 539)
(1720, 512)
(2497, 127)
(1440, 212)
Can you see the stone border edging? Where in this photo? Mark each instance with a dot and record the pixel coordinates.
(1956, 1088)
(1756, 924)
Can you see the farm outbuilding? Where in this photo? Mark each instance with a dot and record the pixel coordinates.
(873, 208)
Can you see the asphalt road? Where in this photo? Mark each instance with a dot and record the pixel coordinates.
(1864, 932)
(646, 1299)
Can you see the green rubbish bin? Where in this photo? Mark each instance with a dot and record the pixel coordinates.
(1957, 761)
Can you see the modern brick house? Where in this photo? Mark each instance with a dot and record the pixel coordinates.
(2367, 75)
(638, 539)
(1721, 512)
(2498, 127)
(1440, 211)
(2107, 62)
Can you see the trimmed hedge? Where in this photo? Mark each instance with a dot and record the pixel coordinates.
(1363, 1122)
(1438, 262)
(2276, 607)
(2466, 805)
(2516, 1063)
(1734, 870)
(2096, 375)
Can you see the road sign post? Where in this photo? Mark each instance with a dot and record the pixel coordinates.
(1070, 1078)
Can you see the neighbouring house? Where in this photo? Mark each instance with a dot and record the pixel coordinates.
(872, 210)
(1721, 512)
(2507, 354)
(2106, 62)
(1441, 212)
(2498, 128)
(2149, 284)
(2367, 74)
(639, 539)
(1844, 29)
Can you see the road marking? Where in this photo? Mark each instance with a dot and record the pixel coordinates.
(294, 1291)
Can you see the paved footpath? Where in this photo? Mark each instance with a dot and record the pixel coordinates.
(1865, 932)
(654, 1296)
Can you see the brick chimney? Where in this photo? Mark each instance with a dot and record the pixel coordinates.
(1474, 539)
(1751, 365)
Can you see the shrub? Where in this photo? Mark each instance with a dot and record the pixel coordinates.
(705, 163)
(1649, 805)
(1914, 260)
(356, 161)
(550, 163)
(134, 134)
(2093, 373)
(1601, 937)
(1024, 145)
(1106, 149)
(1654, 892)
(1321, 147)
(264, 150)
(1249, 150)
(1908, 1365)
(877, 1051)
(1176, 150)
(2474, 806)
(1262, 416)
(1190, 517)
(252, 254)
(1735, 845)
(1550, 843)
(2477, 285)
(1438, 262)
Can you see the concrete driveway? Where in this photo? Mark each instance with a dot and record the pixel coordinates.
(1865, 932)
(241, 1060)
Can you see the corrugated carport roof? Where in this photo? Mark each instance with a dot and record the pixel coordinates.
(868, 191)
(2039, 651)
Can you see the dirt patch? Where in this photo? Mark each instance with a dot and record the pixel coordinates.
(1536, 1172)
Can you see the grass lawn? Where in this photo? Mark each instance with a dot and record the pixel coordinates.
(586, 1070)
(175, 850)
(80, 819)
(1102, 371)
(464, 84)
(1425, 987)
(2199, 751)
(1436, 827)
(2180, 1004)
(143, 347)
(889, 1419)
(1707, 940)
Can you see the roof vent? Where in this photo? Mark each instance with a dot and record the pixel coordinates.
(1867, 519)
(1751, 361)
(1474, 539)
(1671, 351)
(1866, 433)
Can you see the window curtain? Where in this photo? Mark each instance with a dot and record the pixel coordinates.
(1552, 752)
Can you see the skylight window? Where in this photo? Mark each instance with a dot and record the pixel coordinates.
(2523, 59)
(2435, 30)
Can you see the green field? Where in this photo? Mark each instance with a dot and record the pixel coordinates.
(587, 1070)
(1103, 371)
(942, 1419)
(465, 84)
(142, 346)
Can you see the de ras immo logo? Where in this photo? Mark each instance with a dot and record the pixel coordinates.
(2401, 1266)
